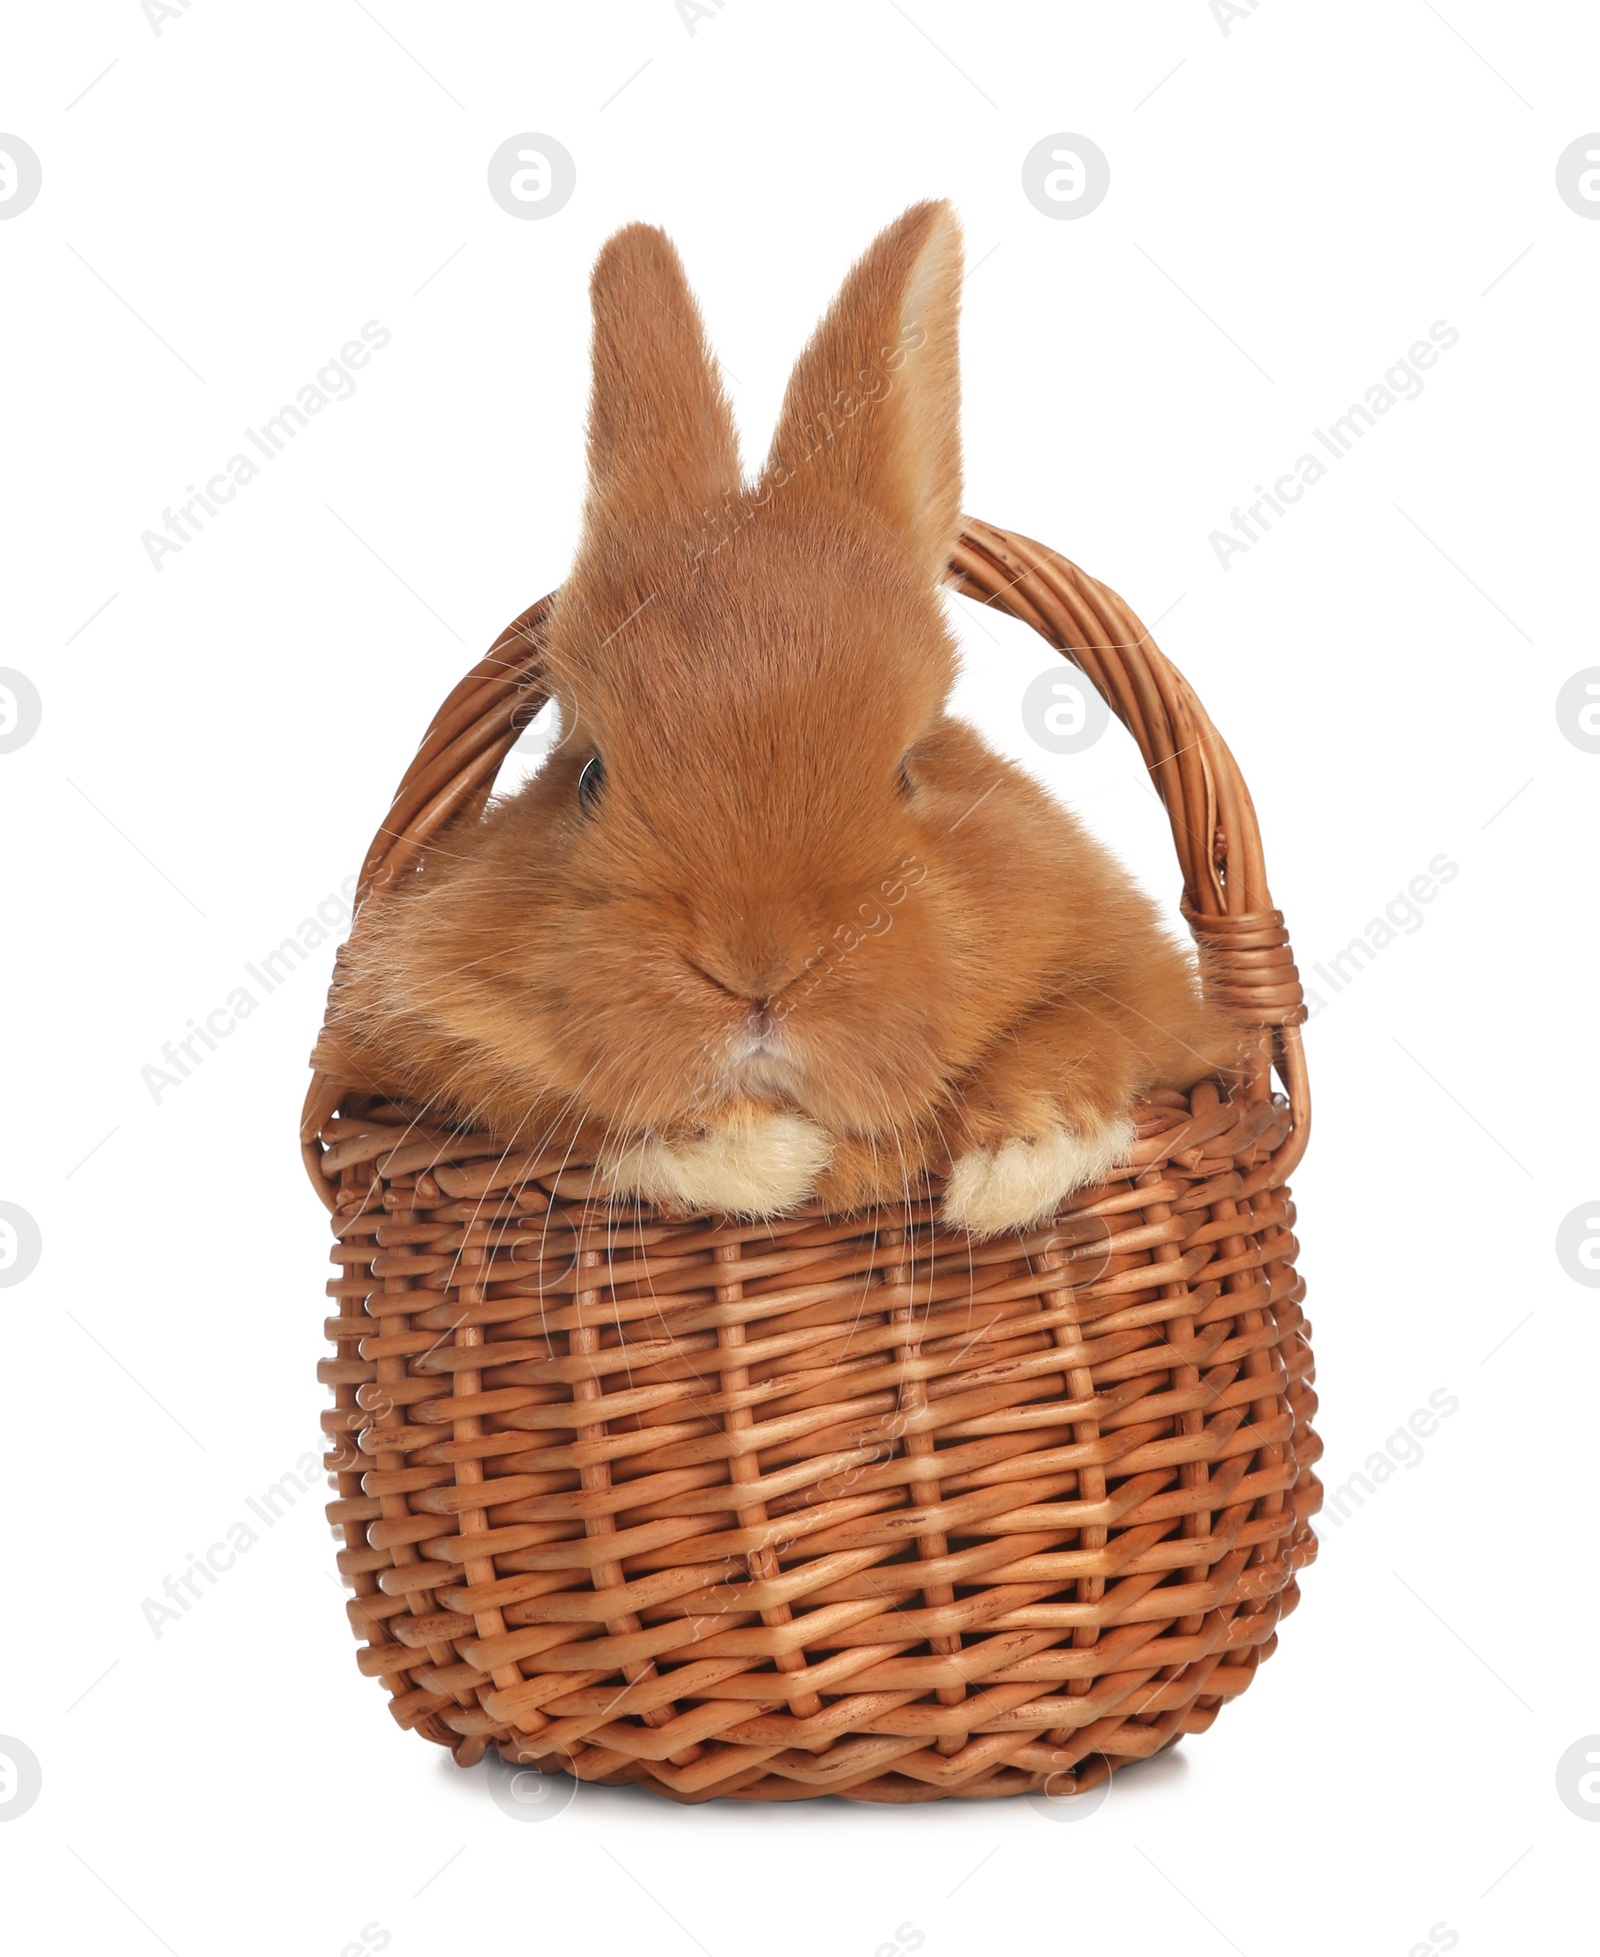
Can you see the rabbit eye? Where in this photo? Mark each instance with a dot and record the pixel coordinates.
(590, 783)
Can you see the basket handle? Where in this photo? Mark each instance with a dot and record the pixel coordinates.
(1246, 957)
(1248, 965)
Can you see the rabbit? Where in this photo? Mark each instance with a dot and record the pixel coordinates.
(770, 925)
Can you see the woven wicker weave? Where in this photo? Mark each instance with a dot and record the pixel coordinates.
(832, 1505)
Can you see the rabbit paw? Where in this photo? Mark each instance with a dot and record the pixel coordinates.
(1024, 1179)
(759, 1165)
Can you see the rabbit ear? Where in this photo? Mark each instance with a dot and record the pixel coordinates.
(871, 418)
(661, 434)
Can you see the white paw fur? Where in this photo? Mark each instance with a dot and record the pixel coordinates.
(759, 1166)
(1023, 1181)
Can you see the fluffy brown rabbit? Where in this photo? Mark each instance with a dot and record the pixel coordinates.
(770, 923)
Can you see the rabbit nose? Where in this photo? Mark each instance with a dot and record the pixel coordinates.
(757, 980)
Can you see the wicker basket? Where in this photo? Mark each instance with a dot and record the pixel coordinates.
(832, 1505)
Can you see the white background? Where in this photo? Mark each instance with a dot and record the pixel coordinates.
(1292, 207)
